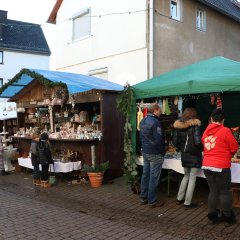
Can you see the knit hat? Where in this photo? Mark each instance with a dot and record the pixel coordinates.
(44, 136)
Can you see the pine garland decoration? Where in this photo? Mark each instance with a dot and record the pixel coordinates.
(124, 104)
(44, 81)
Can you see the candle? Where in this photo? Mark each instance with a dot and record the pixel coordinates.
(93, 155)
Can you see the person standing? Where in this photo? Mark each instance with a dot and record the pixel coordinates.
(45, 158)
(187, 138)
(153, 150)
(2, 170)
(219, 146)
(35, 156)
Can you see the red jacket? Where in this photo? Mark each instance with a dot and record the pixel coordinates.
(219, 146)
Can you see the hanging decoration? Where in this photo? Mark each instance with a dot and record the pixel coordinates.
(212, 99)
(219, 102)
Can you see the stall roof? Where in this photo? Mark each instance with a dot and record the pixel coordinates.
(75, 82)
(216, 74)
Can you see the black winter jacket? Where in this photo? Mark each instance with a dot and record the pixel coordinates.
(151, 135)
(34, 153)
(44, 152)
(191, 156)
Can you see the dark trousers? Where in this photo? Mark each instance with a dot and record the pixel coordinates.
(220, 191)
(36, 172)
(44, 174)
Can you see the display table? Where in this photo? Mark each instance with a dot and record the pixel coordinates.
(176, 165)
(59, 166)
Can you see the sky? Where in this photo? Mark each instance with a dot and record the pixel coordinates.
(33, 11)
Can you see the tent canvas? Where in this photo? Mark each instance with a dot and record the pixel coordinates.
(75, 82)
(216, 74)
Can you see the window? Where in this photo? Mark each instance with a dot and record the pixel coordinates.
(175, 9)
(1, 82)
(1, 57)
(201, 20)
(81, 25)
(99, 73)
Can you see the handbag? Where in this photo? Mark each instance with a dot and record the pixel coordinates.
(52, 178)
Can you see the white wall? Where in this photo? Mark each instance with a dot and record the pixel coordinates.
(117, 41)
(13, 62)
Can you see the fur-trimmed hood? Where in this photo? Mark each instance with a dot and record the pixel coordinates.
(188, 123)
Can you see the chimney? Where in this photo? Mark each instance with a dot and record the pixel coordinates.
(3, 18)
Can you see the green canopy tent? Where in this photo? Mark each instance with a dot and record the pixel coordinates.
(215, 75)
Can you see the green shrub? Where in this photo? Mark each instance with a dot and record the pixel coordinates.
(102, 167)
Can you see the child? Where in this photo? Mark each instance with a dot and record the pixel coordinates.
(45, 157)
(35, 156)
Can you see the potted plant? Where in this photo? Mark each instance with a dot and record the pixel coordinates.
(95, 173)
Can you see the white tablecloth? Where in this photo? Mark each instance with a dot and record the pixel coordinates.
(59, 166)
(176, 165)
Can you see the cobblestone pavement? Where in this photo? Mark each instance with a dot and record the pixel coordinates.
(68, 211)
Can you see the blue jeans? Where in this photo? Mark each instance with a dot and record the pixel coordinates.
(187, 185)
(152, 167)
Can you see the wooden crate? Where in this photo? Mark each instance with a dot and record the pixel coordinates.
(236, 197)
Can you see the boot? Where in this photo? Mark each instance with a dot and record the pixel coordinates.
(45, 184)
(4, 173)
(38, 182)
(213, 217)
(34, 182)
(229, 219)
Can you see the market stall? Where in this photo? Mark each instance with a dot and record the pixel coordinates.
(8, 126)
(79, 113)
(206, 85)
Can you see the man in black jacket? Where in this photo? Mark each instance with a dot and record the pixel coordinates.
(153, 149)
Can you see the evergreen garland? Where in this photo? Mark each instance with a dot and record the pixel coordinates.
(44, 81)
(124, 104)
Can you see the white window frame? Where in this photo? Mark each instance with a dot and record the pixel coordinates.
(99, 71)
(1, 57)
(201, 20)
(86, 13)
(176, 12)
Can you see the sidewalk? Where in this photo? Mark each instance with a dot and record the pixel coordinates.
(116, 204)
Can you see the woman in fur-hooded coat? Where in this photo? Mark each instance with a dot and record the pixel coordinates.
(187, 138)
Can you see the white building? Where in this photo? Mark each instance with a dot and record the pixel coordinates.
(108, 39)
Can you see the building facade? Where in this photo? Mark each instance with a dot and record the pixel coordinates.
(131, 41)
(22, 45)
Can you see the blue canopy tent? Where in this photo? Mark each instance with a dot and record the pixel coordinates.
(75, 82)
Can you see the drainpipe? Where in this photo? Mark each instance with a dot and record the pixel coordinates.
(150, 38)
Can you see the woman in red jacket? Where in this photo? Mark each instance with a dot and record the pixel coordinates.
(219, 146)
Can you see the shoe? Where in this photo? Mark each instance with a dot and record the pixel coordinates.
(45, 184)
(155, 204)
(178, 202)
(230, 220)
(192, 205)
(143, 202)
(4, 173)
(214, 217)
(38, 182)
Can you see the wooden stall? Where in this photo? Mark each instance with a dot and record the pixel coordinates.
(80, 124)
